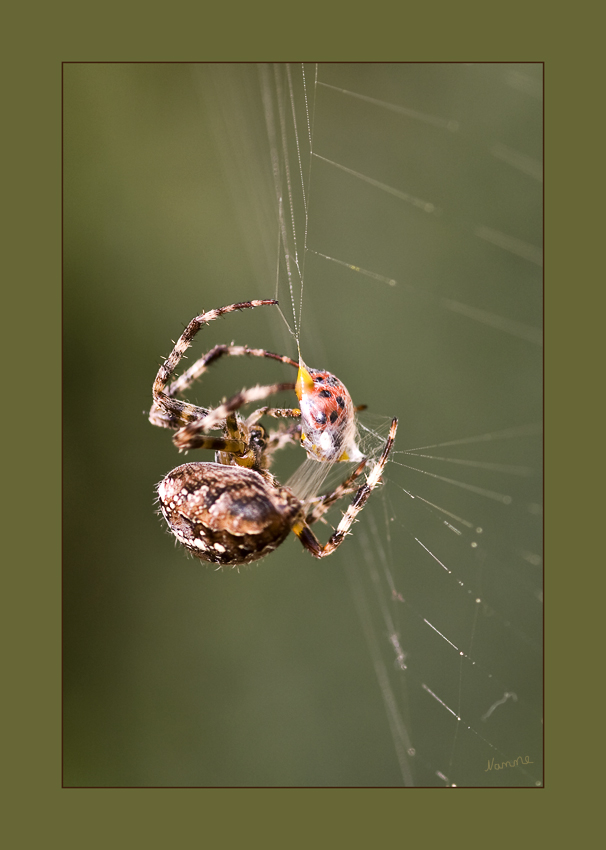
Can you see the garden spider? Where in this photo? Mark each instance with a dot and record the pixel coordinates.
(235, 511)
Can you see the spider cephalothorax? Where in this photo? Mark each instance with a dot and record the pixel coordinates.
(235, 511)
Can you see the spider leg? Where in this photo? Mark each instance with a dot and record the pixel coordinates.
(215, 417)
(191, 413)
(323, 503)
(187, 378)
(166, 411)
(212, 443)
(186, 436)
(181, 412)
(290, 436)
(306, 535)
(275, 413)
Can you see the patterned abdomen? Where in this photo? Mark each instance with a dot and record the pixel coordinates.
(227, 515)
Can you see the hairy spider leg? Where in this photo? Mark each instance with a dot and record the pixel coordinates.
(169, 412)
(284, 436)
(324, 502)
(275, 412)
(187, 378)
(306, 535)
(212, 443)
(187, 436)
(235, 442)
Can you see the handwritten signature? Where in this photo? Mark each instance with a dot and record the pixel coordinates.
(520, 760)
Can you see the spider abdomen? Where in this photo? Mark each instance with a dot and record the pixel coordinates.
(226, 514)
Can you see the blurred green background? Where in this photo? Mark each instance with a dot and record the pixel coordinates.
(178, 675)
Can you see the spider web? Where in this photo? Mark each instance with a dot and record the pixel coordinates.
(396, 211)
(439, 167)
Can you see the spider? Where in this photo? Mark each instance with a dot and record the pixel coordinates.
(234, 511)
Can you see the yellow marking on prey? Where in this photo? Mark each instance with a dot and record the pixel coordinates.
(304, 383)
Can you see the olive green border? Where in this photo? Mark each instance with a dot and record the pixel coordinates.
(41, 812)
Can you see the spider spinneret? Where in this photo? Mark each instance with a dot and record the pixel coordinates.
(234, 511)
